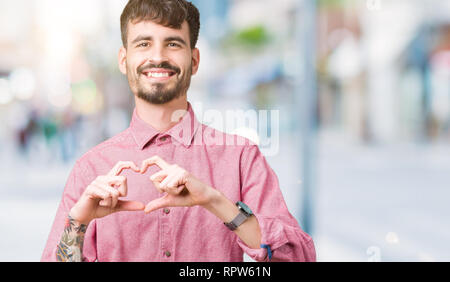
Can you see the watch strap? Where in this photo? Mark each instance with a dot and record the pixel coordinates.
(237, 221)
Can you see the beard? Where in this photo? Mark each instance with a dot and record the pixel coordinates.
(160, 93)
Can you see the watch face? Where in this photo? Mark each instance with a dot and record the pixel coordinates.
(245, 208)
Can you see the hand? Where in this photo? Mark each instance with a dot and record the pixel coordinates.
(101, 197)
(182, 188)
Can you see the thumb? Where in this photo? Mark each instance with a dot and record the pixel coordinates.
(129, 206)
(158, 204)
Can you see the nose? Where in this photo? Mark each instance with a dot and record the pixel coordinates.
(157, 54)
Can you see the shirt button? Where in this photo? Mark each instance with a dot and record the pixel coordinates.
(167, 253)
(163, 139)
(166, 211)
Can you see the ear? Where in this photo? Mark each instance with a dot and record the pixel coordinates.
(195, 60)
(123, 60)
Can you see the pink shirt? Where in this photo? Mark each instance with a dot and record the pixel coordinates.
(238, 170)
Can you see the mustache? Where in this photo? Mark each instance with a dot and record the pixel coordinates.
(163, 65)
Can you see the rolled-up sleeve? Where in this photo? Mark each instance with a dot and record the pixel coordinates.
(78, 180)
(281, 236)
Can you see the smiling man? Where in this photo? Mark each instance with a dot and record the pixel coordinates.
(189, 199)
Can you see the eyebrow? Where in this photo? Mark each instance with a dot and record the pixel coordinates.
(177, 39)
(150, 38)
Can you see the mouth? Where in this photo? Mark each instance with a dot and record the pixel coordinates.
(158, 74)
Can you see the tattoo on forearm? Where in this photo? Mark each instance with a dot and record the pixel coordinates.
(70, 248)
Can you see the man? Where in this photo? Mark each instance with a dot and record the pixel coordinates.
(174, 205)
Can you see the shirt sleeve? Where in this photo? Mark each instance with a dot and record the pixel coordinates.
(78, 180)
(282, 239)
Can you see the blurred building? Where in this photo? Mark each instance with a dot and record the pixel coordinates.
(378, 69)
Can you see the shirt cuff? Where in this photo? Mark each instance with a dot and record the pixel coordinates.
(269, 251)
(272, 237)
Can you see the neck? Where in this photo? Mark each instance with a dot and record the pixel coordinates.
(160, 116)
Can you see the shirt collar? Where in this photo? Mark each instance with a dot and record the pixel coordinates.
(183, 131)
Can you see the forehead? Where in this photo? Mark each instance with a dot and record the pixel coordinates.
(156, 30)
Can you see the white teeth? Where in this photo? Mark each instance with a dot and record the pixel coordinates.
(158, 74)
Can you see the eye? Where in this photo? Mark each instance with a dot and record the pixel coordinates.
(143, 44)
(173, 44)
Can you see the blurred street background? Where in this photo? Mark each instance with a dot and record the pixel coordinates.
(362, 88)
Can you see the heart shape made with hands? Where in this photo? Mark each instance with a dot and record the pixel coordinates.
(170, 179)
(102, 196)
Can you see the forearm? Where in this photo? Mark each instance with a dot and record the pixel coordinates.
(70, 248)
(249, 231)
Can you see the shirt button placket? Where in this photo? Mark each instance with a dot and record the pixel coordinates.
(166, 235)
(166, 251)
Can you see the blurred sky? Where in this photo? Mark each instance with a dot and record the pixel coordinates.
(377, 167)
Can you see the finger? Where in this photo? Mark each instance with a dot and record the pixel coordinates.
(129, 206)
(170, 178)
(114, 194)
(155, 160)
(180, 188)
(117, 180)
(106, 197)
(117, 169)
(95, 192)
(159, 176)
(171, 184)
(120, 181)
(171, 171)
(156, 184)
(156, 204)
(105, 202)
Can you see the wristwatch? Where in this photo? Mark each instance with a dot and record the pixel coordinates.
(244, 213)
